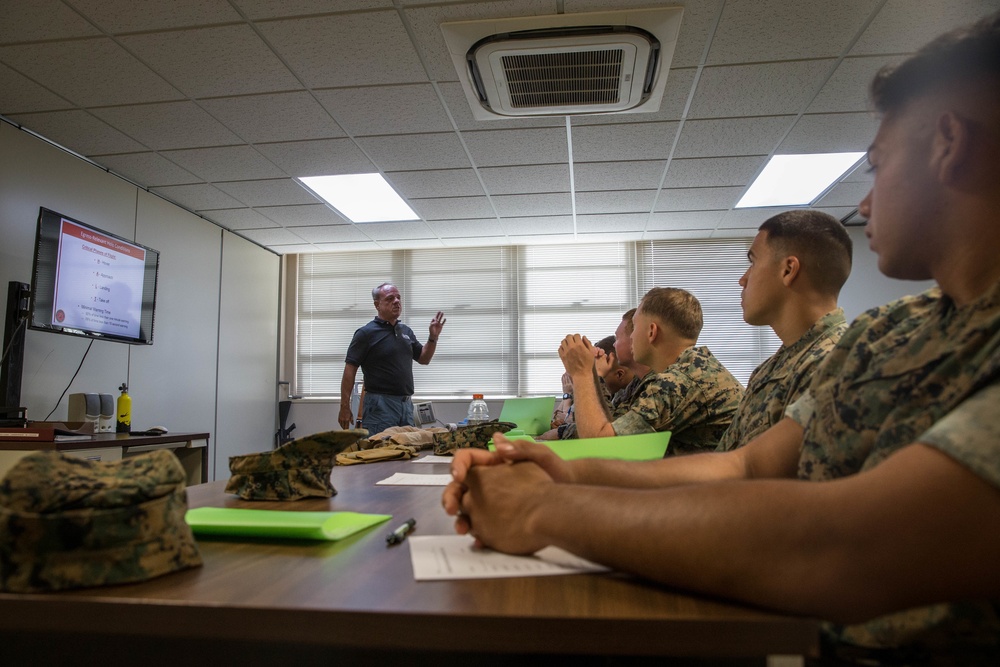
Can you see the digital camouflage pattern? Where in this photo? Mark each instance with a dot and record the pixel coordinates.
(477, 435)
(298, 469)
(68, 522)
(917, 370)
(779, 381)
(694, 399)
(622, 399)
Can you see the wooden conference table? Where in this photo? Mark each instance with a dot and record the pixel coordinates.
(260, 601)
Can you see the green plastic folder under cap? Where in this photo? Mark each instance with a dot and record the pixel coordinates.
(279, 523)
(642, 447)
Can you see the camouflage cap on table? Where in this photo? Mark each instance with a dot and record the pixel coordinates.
(477, 435)
(70, 523)
(298, 469)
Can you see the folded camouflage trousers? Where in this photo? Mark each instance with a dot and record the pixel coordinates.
(477, 436)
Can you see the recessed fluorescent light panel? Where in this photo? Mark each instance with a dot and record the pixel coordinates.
(797, 180)
(360, 197)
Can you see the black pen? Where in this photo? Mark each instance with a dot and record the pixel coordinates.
(398, 535)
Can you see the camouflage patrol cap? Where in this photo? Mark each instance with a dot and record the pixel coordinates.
(296, 470)
(71, 523)
(477, 435)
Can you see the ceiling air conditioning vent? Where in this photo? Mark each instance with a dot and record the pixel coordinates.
(565, 64)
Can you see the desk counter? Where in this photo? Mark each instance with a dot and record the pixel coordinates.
(359, 595)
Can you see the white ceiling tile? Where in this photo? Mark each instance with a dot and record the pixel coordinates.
(698, 199)
(345, 247)
(615, 201)
(295, 249)
(269, 9)
(369, 110)
(226, 163)
(675, 234)
(319, 157)
(541, 239)
(332, 234)
(452, 208)
(759, 30)
(847, 89)
(112, 75)
(425, 23)
(638, 175)
(147, 169)
(496, 148)
(526, 179)
(435, 183)
(732, 136)
(861, 174)
(22, 95)
(416, 151)
(274, 117)
(196, 197)
(724, 233)
(411, 243)
(685, 220)
(771, 89)
(462, 228)
(458, 106)
(275, 236)
(630, 141)
(168, 125)
(368, 48)
(225, 60)
(618, 223)
(751, 218)
(40, 19)
(844, 194)
(839, 212)
(282, 191)
(554, 224)
(830, 133)
(79, 129)
(302, 215)
(519, 205)
(675, 96)
(239, 218)
(477, 241)
(390, 231)
(903, 26)
(115, 17)
(712, 172)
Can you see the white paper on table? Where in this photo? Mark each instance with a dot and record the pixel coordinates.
(433, 458)
(415, 479)
(438, 557)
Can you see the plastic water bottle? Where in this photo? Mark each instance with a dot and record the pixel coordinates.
(479, 412)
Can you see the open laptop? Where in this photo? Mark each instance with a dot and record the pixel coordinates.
(532, 415)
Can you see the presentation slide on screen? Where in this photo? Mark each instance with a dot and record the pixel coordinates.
(98, 282)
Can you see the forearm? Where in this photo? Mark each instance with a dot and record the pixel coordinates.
(427, 352)
(908, 533)
(592, 417)
(347, 382)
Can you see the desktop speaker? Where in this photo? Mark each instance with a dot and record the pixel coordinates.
(85, 408)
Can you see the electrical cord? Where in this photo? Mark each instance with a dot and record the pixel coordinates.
(70, 380)
(17, 329)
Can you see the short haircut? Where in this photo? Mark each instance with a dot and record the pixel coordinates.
(966, 54)
(818, 240)
(676, 308)
(377, 292)
(607, 344)
(627, 319)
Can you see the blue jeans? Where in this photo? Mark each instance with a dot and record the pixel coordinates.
(382, 411)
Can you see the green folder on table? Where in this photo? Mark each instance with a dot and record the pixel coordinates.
(279, 523)
(642, 447)
(532, 415)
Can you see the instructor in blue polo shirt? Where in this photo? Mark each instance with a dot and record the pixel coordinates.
(385, 350)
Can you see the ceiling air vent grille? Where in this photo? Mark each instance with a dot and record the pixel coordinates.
(579, 78)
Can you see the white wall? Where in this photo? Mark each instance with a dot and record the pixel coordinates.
(212, 363)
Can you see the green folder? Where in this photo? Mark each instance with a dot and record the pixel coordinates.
(532, 415)
(279, 523)
(642, 447)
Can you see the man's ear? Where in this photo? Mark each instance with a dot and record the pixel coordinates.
(952, 146)
(790, 268)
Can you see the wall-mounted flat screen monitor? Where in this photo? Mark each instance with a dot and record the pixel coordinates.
(88, 282)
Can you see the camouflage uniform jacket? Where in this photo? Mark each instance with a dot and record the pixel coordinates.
(780, 380)
(694, 398)
(919, 369)
(622, 399)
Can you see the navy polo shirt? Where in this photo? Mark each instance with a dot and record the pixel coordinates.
(385, 354)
